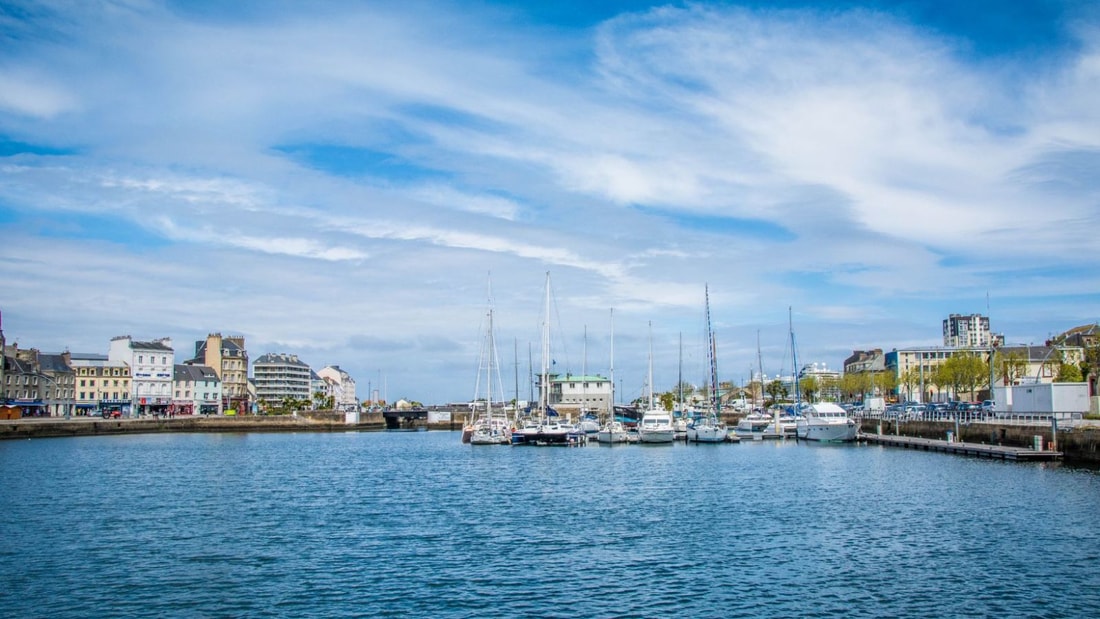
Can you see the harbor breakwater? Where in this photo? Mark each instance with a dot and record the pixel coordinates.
(54, 427)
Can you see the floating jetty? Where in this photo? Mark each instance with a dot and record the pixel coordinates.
(1000, 452)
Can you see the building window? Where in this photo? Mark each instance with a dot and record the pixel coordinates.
(141, 358)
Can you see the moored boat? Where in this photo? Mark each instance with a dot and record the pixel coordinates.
(706, 428)
(826, 422)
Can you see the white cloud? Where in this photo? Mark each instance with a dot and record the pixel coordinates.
(26, 93)
(872, 180)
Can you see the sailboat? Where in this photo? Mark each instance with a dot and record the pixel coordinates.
(546, 426)
(656, 424)
(491, 425)
(707, 428)
(680, 414)
(822, 421)
(613, 430)
(589, 422)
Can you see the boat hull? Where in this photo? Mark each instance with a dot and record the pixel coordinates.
(828, 432)
(653, 437)
(713, 434)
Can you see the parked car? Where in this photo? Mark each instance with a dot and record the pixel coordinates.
(111, 414)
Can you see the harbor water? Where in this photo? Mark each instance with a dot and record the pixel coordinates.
(419, 524)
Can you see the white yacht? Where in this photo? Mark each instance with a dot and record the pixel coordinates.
(826, 421)
(656, 427)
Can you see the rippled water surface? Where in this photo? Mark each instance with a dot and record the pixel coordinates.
(418, 524)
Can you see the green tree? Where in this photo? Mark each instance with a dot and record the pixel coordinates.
(964, 372)
(683, 387)
(667, 400)
(1090, 367)
(852, 385)
(941, 378)
(883, 382)
(809, 387)
(829, 387)
(909, 379)
(1069, 373)
(1010, 366)
(776, 390)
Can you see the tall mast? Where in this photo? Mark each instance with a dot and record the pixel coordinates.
(759, 370)
(515, 361)
(611, 404)
(794, 361)
(649, 380)
(584, 373)
(544, 393)
(712, 353)
(489, 378)
(680, 376)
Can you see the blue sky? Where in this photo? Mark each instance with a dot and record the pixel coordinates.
(339, 180)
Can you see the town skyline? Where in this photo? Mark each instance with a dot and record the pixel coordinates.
(342, 182)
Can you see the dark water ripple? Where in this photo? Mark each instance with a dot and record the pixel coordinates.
(331, 525)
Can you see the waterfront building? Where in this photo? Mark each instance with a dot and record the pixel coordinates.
(57, 380)
(196, 390)
(229, 359)
(575, 392)
(318, 387)
(1085, 336)
(36, 383)
(341, 387)
(279, 376)
(151, 367)
(100, 385)
(915, 368)
(971, 331)
(865, 361)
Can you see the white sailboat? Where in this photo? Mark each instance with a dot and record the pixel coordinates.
(491, 425)
(613, 430)
(707, 428)
(546, 428)
(656, 423)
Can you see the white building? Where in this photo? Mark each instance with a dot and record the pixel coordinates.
(280, 376)
(341, 387)
(151, 368)
(575, 392)
(967, 331)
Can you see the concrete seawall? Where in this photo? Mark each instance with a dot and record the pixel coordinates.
(1076, 444)
(45, 428)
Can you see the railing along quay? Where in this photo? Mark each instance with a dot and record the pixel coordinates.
(1002, 452)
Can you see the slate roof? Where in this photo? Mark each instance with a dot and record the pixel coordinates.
(194, 373)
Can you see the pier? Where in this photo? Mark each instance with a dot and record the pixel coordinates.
(1001, 452)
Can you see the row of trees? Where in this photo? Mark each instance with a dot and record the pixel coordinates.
(962, 374)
